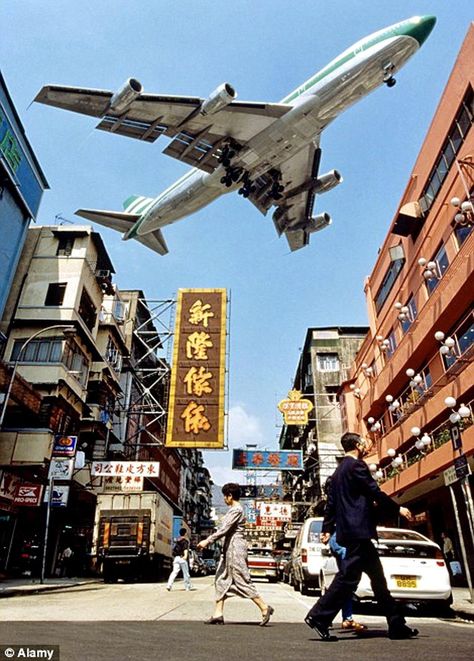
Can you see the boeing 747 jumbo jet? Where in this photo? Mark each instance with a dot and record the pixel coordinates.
(269, 152)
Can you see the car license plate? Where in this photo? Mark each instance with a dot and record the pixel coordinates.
(258, 572)
(405, 581)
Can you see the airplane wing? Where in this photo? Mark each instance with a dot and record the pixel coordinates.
(295, 207)
(197, 137)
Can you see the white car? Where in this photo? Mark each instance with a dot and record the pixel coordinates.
(413, 566)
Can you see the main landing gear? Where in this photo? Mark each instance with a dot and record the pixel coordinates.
(388, 78)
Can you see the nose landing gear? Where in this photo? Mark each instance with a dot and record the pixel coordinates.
(388, 78)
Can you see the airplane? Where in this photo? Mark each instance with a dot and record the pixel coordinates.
(269, 152)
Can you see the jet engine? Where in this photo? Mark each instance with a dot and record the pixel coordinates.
(220, 98)
(327, 181)
(125, 96)
(317, 223)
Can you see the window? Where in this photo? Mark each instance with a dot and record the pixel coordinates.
(328, 362)
(331, 392)
(410, 315)
(462, 232)
(76, 362)
(442, 262)
(392, 344)
(46, 350)
(55, 293)
(65, 245)
(87, 310)
(464, 338)
(388, 282)
(308, 377)
(113, 355)
(454, 140)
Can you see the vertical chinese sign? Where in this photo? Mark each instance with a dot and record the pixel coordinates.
(197, 393)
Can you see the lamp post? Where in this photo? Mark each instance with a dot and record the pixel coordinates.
(65, 328)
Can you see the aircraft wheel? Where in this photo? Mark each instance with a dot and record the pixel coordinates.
(391, 82)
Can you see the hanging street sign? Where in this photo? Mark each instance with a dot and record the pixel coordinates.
(64, 445)
(61, 468)
(288, 460)
(125, 468)
(197, 394)
(457, 471)
(296, 408)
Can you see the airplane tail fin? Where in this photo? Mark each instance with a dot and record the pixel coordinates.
(135, 207)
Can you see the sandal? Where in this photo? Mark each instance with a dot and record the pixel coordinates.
(352, 624)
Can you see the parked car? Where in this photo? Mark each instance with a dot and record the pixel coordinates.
(211, 565)
(413, 566)
(307, 558)
(282, 560)
(197, 566)
(262, 564)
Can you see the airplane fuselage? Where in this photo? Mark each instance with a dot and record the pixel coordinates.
(352, 75)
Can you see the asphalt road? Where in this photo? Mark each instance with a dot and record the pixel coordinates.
(144, 622)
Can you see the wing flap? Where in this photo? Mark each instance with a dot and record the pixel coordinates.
(116, 220)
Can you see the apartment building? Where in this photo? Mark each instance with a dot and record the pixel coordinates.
(412, 383)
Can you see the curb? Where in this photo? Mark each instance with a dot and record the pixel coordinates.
(22, 592)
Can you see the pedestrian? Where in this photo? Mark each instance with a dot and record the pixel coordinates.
(348, 621)
(351, 512)
(67, 560)
(232, 574)
(448, 548)
(180, 561)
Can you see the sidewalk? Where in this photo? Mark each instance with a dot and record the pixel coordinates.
(25, 586)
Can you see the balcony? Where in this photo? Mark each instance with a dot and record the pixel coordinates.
(25, 446)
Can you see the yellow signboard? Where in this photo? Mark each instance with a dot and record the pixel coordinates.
(196, 402)
(295, 409)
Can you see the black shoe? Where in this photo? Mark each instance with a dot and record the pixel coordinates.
(321, 629)
(215, 620)
(267, 616)
(402, 633)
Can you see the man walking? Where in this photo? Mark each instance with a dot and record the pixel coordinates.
(351, 511)
(180, 561)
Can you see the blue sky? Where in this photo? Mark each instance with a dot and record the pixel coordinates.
(264, 48)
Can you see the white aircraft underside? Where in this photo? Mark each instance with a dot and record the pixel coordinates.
(268, 152)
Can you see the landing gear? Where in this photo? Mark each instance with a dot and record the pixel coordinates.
(247, 186)
(232, 175)
(228, 151)
(388, 78)
(276, 188)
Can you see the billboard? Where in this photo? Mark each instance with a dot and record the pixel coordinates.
(288, 460)
(125, 468)
(196, 402)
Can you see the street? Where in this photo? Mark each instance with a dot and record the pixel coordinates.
(143, 621)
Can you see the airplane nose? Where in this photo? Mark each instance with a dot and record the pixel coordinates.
(420, 28)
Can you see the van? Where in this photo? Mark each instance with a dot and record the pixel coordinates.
(307, 557)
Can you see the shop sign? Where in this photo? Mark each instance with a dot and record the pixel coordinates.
(457, 471)
(295, 409)
(64, 445)
(197, 393)
(273, 514)
(8, 485)
(121, 484)
(28, 495)
(61, 468)
(60, 495)
(125, 468)
(288, 460)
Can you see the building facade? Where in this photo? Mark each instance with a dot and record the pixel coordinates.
(22, 184)
(412, 383)
(325, 361)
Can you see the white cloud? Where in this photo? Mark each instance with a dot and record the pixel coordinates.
(244, 428)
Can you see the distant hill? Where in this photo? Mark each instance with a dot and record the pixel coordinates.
(217, 497)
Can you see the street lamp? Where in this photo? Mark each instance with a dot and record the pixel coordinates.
(66, 328)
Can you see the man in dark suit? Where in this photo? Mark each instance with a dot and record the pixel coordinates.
(351, 507)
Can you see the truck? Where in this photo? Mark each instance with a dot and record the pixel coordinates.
(133, 536)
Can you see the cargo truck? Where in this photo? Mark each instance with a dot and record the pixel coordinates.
(133, 536)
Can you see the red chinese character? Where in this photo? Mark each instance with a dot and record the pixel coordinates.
(257, 458)
(274, 459)
(293, 460)
(241, 459)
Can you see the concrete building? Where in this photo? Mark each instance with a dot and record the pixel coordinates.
(324, 364)
(419, 350)
(22, 184)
